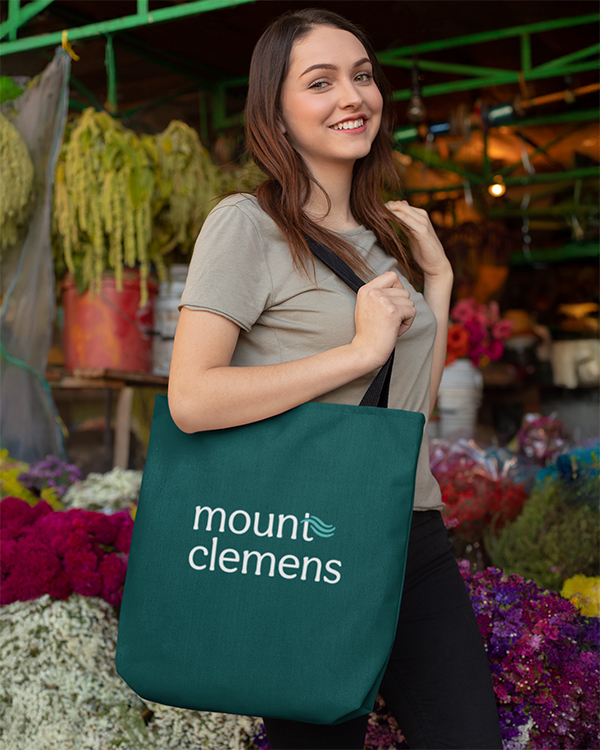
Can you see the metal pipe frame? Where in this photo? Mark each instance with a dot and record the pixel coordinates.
(481, 77)
(141, 18)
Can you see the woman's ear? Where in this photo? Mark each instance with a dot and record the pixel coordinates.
(281, 126)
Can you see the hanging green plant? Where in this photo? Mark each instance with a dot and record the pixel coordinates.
(188, 182)
(104, 188)
(17, 172)
(126, 200)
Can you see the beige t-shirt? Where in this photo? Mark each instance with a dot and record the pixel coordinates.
(242, 269)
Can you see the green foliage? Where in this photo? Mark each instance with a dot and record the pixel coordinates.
(17, 172)
(556, 535)
(9, 90)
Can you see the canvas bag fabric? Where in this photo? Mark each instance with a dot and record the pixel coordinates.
(267, 560)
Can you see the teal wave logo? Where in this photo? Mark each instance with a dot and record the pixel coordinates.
(319, 527)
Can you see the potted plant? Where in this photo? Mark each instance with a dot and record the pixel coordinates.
(123, 203)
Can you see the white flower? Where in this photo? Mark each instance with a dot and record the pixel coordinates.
(59, 689)
(109, 492)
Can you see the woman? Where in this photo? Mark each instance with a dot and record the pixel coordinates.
(264, 328)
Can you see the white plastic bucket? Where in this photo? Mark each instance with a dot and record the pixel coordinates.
(166, 316)
(459, 398)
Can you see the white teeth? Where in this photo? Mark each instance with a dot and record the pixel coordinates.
(348, 124)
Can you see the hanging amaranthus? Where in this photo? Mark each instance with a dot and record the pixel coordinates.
(105, 183)
(121, 199)
(17, 177)
(189, 181)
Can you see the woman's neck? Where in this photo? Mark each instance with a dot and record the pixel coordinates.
(337, 183)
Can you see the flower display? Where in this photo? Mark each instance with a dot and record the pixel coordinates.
(584, 593)
(479, 488)
(542, 439)
(545, 661)
(10, 471)
(556, 535)
(51, 473)
(115, 490)
(474, 503)
(59, 689)
(59, 552)
(476, 331)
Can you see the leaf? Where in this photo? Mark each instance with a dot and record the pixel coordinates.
(9, 90)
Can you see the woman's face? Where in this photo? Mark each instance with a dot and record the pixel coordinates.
(330, 104)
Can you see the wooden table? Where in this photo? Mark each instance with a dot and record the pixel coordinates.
(110, 381)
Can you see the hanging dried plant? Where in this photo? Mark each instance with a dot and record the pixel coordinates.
(124, 200)
(16, 168)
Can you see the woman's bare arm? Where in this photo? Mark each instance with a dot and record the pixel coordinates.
(206, 393)
(437, 291)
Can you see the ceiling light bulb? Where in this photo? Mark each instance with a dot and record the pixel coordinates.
(497, 189)
(416, 111)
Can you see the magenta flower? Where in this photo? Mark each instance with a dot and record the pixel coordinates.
(58, 552)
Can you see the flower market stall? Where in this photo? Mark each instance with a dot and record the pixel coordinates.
(115, 152)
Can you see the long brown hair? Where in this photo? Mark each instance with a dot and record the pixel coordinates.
(287, 186)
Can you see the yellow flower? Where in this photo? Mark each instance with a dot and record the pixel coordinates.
(584, 592)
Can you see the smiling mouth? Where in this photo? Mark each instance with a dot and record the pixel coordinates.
(349, 124)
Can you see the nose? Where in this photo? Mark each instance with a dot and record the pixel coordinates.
(350, 95)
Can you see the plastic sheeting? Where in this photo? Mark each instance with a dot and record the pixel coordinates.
(29, 424)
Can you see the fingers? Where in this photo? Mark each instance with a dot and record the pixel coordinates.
(413, 218)
(386, 280)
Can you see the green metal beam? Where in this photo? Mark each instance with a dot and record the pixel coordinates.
(535, 179)
(118, 24)
(576, 116)
(409, 133)
(564, 209)
(432, 159)
(539, 150)
(220, 119)
(18, 16)
(491, 36)
(111, 74)
(187, 67)
(568, 252)
(507, 77)
(525, 53)
(565, 59)
(538, 178)
(439, 67)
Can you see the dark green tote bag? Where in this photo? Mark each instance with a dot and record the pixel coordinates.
(267, 560)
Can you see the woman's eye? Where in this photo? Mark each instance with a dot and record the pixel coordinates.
(363, 77)
(318, 85)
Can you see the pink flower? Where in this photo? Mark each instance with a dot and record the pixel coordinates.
(502, 329)
(476, 332)
(495, 349)
(113, 570)
(31, 570)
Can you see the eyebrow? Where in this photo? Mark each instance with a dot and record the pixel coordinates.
(329, 66)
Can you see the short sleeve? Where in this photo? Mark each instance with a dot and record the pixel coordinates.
(228, 273)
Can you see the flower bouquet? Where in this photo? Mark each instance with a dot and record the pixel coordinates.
(476, 331)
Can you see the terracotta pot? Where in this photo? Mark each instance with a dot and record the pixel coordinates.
(108, 330)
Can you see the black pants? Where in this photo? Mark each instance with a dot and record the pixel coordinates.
(437, 683)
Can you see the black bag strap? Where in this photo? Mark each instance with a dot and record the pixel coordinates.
(378, 392)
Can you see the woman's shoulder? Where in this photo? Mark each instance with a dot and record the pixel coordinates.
(240, 215)
(241, 203)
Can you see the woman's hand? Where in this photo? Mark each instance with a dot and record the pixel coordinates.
(424, 244)
(384, 311)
